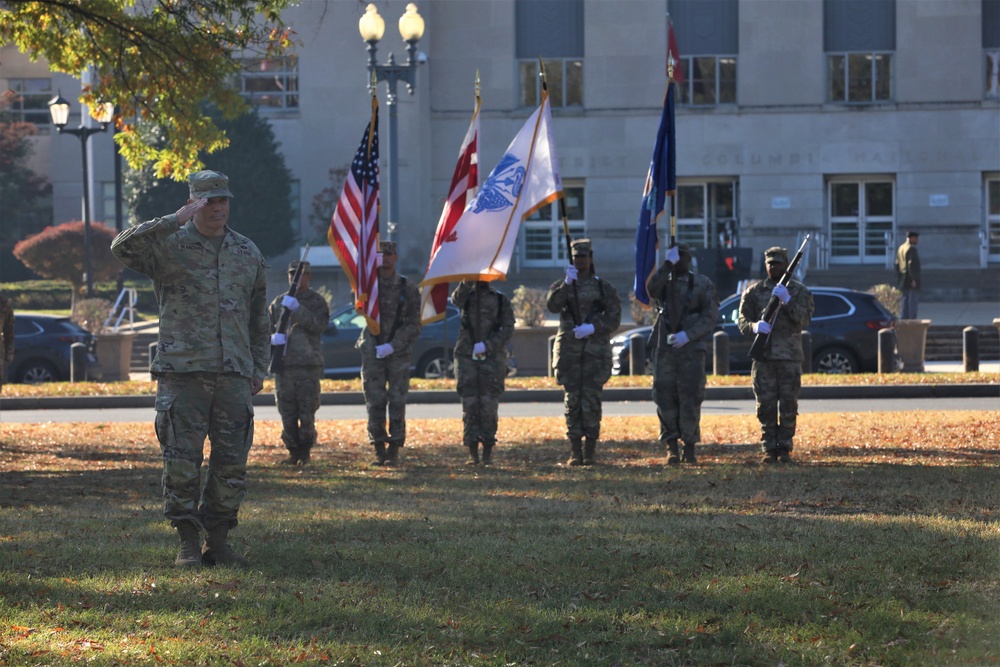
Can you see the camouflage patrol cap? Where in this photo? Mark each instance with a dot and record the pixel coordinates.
(775, 254)
(684, 249)
(387, 247)
(207, 184)
(581, 247)
(294, 264)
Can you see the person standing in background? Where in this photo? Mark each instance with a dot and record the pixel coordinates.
(590, 311)
(908, 273)
(297, 384)
(481, 362)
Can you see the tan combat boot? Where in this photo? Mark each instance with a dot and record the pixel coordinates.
(217, 549)
(673, 453)
(576, 455)
(190, 553)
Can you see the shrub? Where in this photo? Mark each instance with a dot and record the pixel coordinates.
(91, 314)
(529, 306)
(888, 296)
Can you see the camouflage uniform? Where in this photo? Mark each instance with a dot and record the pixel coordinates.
(583, 365)
(488, 318)
(6, 335)
(386, 381)
(679, 372)
(213, 343)
(778, 377)
(296, 385)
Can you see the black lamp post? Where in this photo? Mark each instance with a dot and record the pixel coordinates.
(411, 28)
(59, 111)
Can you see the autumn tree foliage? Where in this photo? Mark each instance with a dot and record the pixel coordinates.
(57, 253)
(151, 59)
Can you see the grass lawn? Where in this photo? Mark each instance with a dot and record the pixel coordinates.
(880, 546)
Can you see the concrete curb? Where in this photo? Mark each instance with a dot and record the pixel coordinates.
(819, 392)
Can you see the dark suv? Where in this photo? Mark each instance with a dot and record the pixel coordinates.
(431, 356)
(42, 349)
(844, 331)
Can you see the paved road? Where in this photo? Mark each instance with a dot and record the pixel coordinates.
(526, 409)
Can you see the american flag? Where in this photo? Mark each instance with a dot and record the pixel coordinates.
(353, 232)
(464, 183)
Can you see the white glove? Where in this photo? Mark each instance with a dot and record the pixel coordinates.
(571, 274)
(680, 340)
(781, 292)
(378, 259)
(383, 351)
(479, 349)
(583, 330)
(290, 302)
(278, 339)
(673, 255)
(762, 327)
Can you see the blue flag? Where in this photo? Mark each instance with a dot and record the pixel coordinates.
(661, 180)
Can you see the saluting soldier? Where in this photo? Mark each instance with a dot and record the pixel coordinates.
(211, 358)
(777, 377)
(589, 312)
(481, 362)
(297, 384)
(385, 357)
(679, 349)
(6, 335)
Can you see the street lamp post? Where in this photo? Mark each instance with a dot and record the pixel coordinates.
(59, 111)
(411, 28)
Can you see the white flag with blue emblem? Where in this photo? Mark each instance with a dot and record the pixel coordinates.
(527, 178)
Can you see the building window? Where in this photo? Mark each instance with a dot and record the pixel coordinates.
(706, 214)
(31, 102)
(543, 239)
(993, 216)
(859, 38)
(708, 40)
(564, 77)
(553, 31)
(708, 80)
(107, 206)
(860, 77)
(862, 220)
(991, 47)
(271, 83)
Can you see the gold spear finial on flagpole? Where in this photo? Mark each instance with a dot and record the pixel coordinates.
(541, 73)
(670, 66)
(477, 87)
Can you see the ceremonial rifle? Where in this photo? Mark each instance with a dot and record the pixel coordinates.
(771, 312)
(277, 362)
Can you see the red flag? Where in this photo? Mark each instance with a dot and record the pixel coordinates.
(672, 51)
(353, 232)
(464, 183)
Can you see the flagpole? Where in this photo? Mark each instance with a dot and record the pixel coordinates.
(672, 299)
(363, 246)
(562, 214)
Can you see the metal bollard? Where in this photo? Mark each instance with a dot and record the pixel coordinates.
(78, 362)
(886, 350)
(720, 353)
(152, 355)
(637, 354)
(970, 350)
(807, 352)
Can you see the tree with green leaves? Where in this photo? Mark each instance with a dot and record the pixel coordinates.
(258, 177)
(57, 253)
(155, 60)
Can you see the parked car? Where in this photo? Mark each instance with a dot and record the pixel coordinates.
(844, 330)
(42, 349)
(432, 351)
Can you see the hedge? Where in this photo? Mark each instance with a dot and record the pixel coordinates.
(57, 295)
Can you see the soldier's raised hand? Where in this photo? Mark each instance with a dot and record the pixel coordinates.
(571, 274)
(673, 254)
(186, 212)
(762, 327)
